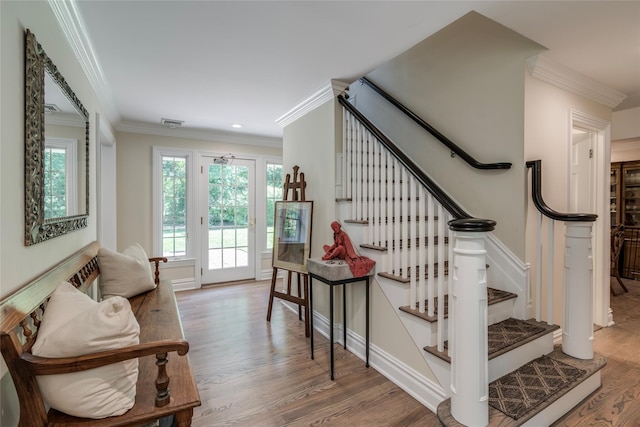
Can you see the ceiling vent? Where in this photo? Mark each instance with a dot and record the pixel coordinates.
(51, 108)
(171, 123)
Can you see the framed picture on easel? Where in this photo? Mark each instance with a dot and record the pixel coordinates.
(292, 236)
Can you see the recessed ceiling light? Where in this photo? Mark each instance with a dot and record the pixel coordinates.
(236, 125)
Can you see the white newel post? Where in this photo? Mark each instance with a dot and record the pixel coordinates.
(468, 323)
(577, 327)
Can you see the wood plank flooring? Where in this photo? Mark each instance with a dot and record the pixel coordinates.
(251, 372)
(617, 402)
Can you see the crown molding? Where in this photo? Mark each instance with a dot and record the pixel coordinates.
(72, 25)
(327, 92)
(556, 74)
(199, 134)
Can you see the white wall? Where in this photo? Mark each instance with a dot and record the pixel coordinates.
(467, 82)
(547, 131)
(311, 142)
(135, 192)
(26, 262)
(625, 150)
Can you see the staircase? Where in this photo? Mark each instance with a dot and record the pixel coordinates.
(482, 346)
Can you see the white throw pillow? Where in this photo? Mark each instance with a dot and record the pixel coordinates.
(74, 325)
(124, 274)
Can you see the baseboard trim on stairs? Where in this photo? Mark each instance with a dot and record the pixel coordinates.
(426, 391)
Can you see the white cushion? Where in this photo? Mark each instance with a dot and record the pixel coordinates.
(74, 325)
(124, 274)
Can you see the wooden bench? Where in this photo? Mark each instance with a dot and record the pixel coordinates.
(166, 385)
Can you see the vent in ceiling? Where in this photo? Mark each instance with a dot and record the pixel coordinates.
(171, 123)
(51, 108)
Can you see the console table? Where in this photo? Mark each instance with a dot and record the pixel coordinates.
(336, 273)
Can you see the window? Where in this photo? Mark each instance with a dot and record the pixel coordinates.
(274, 192)
(60, 172)
(174, 209)
(173, 213)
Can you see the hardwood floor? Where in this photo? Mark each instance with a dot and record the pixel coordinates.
(254, 373)
(617, 401)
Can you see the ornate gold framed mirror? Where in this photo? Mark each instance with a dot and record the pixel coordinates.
(56, 150)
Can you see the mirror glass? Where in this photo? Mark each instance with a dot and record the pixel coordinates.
(56, 150)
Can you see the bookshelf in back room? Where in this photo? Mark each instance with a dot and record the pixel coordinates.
(625, 210)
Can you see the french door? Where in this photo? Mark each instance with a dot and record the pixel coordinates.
(228, 220)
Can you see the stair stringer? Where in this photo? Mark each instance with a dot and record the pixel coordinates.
(421, 332)
(508, 273)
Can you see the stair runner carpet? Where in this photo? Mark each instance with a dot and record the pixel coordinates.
(504, 336)
(538, 384)
(517, 392)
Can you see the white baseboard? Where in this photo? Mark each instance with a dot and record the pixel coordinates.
(424, 390)
(184, 284)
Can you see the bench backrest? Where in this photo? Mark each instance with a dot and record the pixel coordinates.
(20, 316)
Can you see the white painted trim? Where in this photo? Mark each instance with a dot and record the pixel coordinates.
(71, 23)
(507, 272)
(177, 263)
(193, 239)
(199, 134)
(327, 92)
(602, 226)
(556, 74)
(424, 390)
(184, 284)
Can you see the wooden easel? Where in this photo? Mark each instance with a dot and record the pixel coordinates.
(296, 186)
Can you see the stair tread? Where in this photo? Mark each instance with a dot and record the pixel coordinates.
(494, 296)
(399, 278)
(496, 417)
(504, 336)
(385, 248)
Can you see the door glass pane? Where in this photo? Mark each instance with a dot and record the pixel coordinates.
(228, 216)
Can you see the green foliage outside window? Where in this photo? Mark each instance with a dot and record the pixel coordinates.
(174, 212)
(55, 183)
(275, 183)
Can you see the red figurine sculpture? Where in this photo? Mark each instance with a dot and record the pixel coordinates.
(342, 248)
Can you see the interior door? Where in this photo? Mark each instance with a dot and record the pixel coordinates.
(582, 192)
(228, 251)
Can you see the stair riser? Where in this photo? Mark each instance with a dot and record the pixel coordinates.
(565, 403)
(512, 360)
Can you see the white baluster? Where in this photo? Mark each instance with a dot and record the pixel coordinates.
(430, 256)
(384, 197)
(376, 194)
(343, 166)
(397, 216)
(370, 187)
(550, 270)
(422, 282)
(441, 277)
(411, 238)
(404, 223)
(539, 269)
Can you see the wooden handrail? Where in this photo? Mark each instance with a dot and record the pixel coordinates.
(433, 131)
(536, 195)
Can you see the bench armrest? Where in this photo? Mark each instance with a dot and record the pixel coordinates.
(62, 365)
(156, 261)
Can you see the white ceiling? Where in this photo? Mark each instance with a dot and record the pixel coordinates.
(215, 63)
